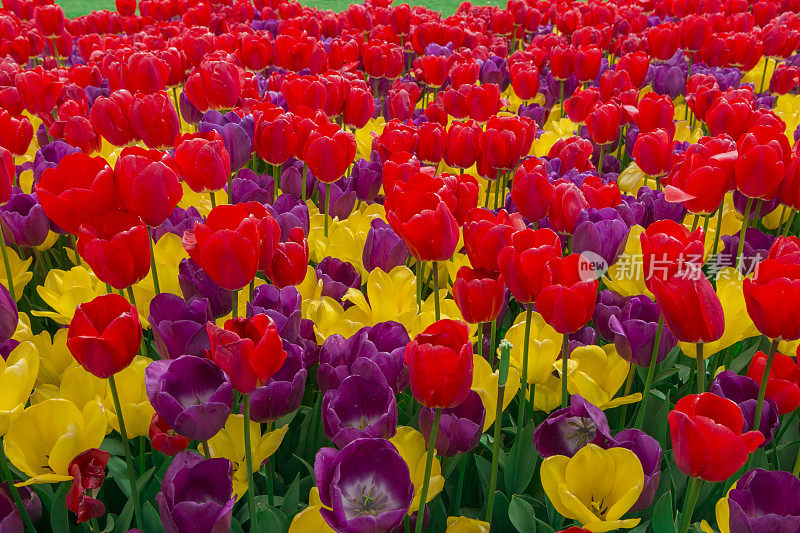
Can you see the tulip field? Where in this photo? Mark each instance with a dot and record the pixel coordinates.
(381, 267)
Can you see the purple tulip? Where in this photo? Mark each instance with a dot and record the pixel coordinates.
(367, 178)
(49, 155)
(756, 247)
(460, 427)
(23, 220)
(189, 113)
(631, 210)
(195, 282)
(337, 277)
(536, 113)
(743, 391)
(586, 336)
(767, 206)
(343, 197)
(568, 430)
(292, 179)
(237, 133)
(290, 212)
(7, 347)
(634, 332)
(248, 186)
(601, 233)
(9, 317)
(10, 519)
(191, 394)
(179, 327)
(196, 495)
(379, 348)
(364, 487)
(363, 406)
(765, 501)
(657, 207)
(283, 393)
(281, 305)
(494, 70)
(178, 222)
(383, 248)
(609, 303)
(648, 450)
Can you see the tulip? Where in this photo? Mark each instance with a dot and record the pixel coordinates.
(522, 263)
(289, 261)
(117, 249)
(16, 133)
(195, 282)
(383, 248)
(567, 298)
(369, 475)
(163, 437)
(39, 90)
(652, 152)
(215, 85)
(104, 335)
(782, 380)
(479, 295)
(566, 206)
(88, 472)
(23, 220)
(191, 394)
(196, 494)
(634, 331)
(460, 427)
(109, 117)
(290, 212)
(648, 450)
(743, 391)
(236, 132)
(154, 120)
(337, 277)
(531, 191)
(283, 393)
(10, 518)
(669, 247)
(774, 283)
(596, 486)
(275, 139)
(568, 430)
(759, 501)
(600, 232)
(202, 161)
(49, 20)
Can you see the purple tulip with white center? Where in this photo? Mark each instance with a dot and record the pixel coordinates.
(568, 430)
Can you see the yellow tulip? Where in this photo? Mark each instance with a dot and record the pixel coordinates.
(373, 128)
(462, 524)
(738, 324)
(54, 357)
(484, 382)
(64, 290)
(47, 436)
(168, 252)
(754, 76)
(787, 107)
(597, 374)
(631, 179)
(596, 487)
(626, 276)
(411, 446)
(17, 375)
(20, 273)
(26, 182)
(229, 443)
(547, 396)
(136, 408)
(310, 520)
(201, 202)
(773, 219)
(81, 387)
(543, 351)
(684, 133)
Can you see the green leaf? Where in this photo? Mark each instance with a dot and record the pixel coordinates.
(59, 520)
(521, 461)
(663, 515)
(500, 521)
(236, 527)
(522, 515)
(272, 520)
(291, 501)
(151, 518)
(544, 527)
(123, 523)
(484, 468)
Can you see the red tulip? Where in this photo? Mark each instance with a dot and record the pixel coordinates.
(147, 183)
(202, 161)
(694, 31)
(573, 153)
(531, 191)
(79, 190)
(482, 101)
(486, 234)
(382, 59)
(587, 63)
(329, 156)
(154, 119)
(109, 117)
(707, 439)
(49, 19)
(248, 350)
(163, 437)
(525, 81)
(690, 307)
(655, 112)
(77, 131)
(16, 133)
(440, 364)
(290, 260)
(126, 8)
(523, 262)
(562, 62)
(255, 52)
(117, 248)
(729, 113)
(430, 145)
(768, 296)
(580, 103)
(669, 246)
(569, 291)
(104, 335)
(460, 149)
(432, 70)
(88, 473)
(305, 91)
(702, 175)
(603, 123)
(636, 65)
(226, 246)
(215, 85)
(39, 90)
(599, 194)
(359, 106)
(783, 383)
(566, 206)
(275, 138)
(763, 158)
(478, 294)
(7, 174)
(396, 138)
(653, 152)
(663, 41)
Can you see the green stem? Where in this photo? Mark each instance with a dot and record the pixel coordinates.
(55, 53)
(327, 206)
(462, 470)
(505, 348)
(564, 361)
(788, 224)
(426, 481)
(206, 450)
(651, 370)
(137, 506)
(6, 471)
(235, 311)
(628, 386)
(276, 181)
(248, 459)
(177, 107)
(270, 476)
(213, 200)
(9, 277)
(796, 468)
(692, 493)
(493, 333)
(496, 190)
(600, 161)
(719, 228)
(153, 266)
(303, 185)
(480, 339)
(436, 290)
(701, 369)
(762, 388)
(743, 233)
(419, 286)
(764, 74)
(523, 388)
(132, 300)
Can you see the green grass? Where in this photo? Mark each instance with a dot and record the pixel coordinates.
(76, 8)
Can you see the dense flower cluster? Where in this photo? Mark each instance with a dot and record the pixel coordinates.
(271, 267)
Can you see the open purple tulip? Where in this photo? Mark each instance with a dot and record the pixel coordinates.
(248, 186)
(191, 393)
(460, 427)
(568, 430)
(366, 486)
(765, 501)
(179, 327)
(196, 495)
